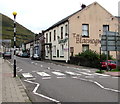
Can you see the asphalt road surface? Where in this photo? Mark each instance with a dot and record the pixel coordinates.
(50, 82)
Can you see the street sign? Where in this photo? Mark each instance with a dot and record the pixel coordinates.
(110, 41)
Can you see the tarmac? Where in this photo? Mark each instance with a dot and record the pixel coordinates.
(11, 89)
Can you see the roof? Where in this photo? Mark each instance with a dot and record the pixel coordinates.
(62, 21)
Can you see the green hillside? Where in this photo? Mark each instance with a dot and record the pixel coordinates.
(22, 35)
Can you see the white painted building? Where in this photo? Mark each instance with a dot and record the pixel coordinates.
(57, 36)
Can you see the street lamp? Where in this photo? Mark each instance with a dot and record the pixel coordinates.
(14, 14)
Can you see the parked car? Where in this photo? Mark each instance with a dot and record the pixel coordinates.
(111, 64)
(7, 55)
(36, 57)
(25, 54)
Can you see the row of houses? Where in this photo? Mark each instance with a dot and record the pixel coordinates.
(78, 32)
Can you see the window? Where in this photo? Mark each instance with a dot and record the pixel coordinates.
(61, 32)
(66, 29)
(54, 50)
(105, 28)
(85, 30)
(46, 51)
(54, 35)
(62, 50)
(50, 37)
(47, 38)
(85, 47)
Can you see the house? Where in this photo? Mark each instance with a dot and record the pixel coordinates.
(79, 32)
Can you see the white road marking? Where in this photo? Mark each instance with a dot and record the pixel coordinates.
(98, 84)
(58, 73)
(61, 77)
(35, 63)
(17, 67)
(27, 75)
(46, 78)
(41, 65)
(86, 70)
(43, 74)
(72, 73)
(20, 70)
(32, 62)
(101, 74)
(48, 68)
(86, 73)
(41, 95)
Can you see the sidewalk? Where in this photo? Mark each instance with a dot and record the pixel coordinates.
(12, 88)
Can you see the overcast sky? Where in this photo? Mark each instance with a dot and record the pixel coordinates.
(38, 15)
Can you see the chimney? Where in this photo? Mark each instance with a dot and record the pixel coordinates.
(83, 6)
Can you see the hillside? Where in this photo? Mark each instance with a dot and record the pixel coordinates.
(22, 35)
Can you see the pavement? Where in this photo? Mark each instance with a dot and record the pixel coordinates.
(11, 89)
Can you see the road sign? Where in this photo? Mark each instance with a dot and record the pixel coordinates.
(110, 41)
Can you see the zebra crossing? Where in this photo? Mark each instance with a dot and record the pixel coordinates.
(61, 75)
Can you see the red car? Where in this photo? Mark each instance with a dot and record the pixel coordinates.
(111, 64)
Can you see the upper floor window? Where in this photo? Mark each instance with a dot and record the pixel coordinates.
(50, 37)
(47, 38)
(85, 30)
(54, 35)
(61, 32)
(66, 29)
(105, 28)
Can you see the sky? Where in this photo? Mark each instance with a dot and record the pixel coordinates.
(38, 15)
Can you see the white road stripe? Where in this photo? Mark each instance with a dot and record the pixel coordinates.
(58, 73)
(46, 78)
(41, 65)
(27, 75)
(41, 95)
(101, 74)
(72, 73)
(61, 77)
(100, 85)
(20, 70)
(86, 73)
(35, 63)
(86, 70)
(43, 74)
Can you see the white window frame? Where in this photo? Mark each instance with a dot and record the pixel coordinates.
(85, 30)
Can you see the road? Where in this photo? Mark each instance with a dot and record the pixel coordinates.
(50, 82)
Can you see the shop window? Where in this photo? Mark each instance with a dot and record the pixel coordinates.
(54, 50)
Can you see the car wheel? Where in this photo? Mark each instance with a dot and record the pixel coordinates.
(109, 68)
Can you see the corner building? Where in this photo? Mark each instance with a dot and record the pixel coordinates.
(78, 32)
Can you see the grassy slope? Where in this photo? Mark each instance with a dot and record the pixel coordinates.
(22, 33)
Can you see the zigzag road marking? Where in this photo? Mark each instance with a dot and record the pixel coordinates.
(41, 95)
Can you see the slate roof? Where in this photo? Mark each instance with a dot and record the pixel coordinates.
(62, 21)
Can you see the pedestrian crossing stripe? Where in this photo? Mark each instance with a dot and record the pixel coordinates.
(72, 73)
(43, 74)
(58, 73)
(27, 75)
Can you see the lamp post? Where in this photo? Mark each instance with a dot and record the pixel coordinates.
(14, 14)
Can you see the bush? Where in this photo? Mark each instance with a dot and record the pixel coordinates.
(88, 58)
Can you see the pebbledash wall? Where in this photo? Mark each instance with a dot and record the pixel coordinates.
(78, 32)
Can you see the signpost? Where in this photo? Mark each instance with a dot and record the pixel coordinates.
(110, 41)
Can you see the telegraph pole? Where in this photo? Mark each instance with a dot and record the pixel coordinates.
(14, 14)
